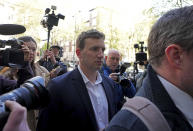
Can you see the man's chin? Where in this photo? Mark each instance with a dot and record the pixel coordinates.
(98, 67)
(113, 69)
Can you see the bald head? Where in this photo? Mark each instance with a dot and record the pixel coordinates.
(112, 59)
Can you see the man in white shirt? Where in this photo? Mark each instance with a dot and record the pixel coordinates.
(81, 99)
(169, 80)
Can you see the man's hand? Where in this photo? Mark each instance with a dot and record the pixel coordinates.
(17, 120)
(52, 57)
(49, 54)
(114, 76)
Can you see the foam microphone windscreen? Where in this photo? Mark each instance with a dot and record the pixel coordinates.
(11, 29)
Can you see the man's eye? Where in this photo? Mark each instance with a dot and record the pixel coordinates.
(94, 49)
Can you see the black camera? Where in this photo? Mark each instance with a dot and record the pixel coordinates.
(50, 19)
(12, 56)
(140, 54)
(122, 78)
(32, 94)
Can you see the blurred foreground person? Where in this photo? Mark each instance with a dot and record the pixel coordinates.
(169, 80)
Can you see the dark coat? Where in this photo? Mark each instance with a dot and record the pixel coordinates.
(70, 108)
(152, 89)
(6, 85)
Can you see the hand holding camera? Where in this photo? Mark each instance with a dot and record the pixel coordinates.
(114, 76)
(49, 55)
(26, 52)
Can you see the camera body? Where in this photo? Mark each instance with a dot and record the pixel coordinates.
(32, 94)
(50, 19)
(122, 77)
(13, 56)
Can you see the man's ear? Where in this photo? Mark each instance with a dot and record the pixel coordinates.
(106, 58)
(78, 52)
(174, 55)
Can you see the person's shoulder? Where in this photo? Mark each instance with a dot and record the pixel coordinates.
(107, 79)
(63, 82)
(124, 120)
(66, 76)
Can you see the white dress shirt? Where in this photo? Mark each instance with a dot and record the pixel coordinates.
(98, 99)
(182, 100)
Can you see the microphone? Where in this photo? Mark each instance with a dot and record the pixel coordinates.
(11, 29)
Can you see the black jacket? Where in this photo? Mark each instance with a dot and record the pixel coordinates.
(70, 108)
(152, 89)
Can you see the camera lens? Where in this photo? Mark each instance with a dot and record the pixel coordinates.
(32, 94)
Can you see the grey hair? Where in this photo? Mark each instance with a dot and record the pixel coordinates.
(174, 27)
(93, 33)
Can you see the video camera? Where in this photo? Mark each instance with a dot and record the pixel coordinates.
(32, 94)
(122, 78)
(12, 56)
(51, 20)
(140, 54)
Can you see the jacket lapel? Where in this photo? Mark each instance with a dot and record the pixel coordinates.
(109, 96)
(80, 86)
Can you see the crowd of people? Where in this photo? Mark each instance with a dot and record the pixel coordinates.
(90, 97)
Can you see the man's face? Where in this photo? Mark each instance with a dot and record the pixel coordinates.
(55, 51)
(91, 57)
(112, 60)
(187, 72)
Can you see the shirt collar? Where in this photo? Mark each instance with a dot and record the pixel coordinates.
(86, 80)
(182, 100)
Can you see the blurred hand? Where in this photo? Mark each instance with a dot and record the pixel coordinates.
(26, 52)
(49, 54)
(114, 76)
(54, 72)
(52, 57)
(17, 120)
(45, 55)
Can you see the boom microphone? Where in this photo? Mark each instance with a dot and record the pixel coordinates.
(11, 29)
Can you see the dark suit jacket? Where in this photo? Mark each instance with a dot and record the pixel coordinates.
(152, 89)
(70, 108)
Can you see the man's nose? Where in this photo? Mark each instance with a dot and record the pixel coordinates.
(100, 53)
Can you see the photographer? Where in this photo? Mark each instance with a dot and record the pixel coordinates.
(33, 69)
(51, 60)
(17, 120)
(109, 69)
(15, 56)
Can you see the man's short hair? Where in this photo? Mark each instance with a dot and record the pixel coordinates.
(93, 33)
(174, 27)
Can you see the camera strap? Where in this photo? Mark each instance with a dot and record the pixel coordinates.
(146, 111)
